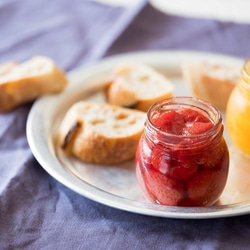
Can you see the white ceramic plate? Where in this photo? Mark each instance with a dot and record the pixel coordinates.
(116, 186)
(236, 10)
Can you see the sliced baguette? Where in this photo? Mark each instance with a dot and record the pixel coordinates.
(101, 133)
(211, 82)
(20, 83)
(5, 68)
(138, 86)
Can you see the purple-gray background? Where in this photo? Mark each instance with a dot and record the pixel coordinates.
(36, 211)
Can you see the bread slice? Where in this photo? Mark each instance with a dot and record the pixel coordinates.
(20, 83)
(101, 133)
(138, 86)
(5, 68)
(211, 82)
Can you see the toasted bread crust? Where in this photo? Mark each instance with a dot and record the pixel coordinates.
(207, 86)
(215, 94)
(121, 91)
(101, 150)
(94, 145)
(118, 95)
(144, 105)
(21, 90)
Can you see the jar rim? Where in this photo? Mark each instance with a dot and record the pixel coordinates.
(191, 102)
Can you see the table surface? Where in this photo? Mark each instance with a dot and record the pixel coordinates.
(38, 212)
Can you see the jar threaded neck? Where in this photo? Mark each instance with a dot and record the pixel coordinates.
(156, 135)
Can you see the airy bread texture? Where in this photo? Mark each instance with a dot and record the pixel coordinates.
(101, 133)
(212, 82)
(138, 86)
(20, 83)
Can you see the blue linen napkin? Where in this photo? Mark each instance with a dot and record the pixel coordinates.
(36, 211)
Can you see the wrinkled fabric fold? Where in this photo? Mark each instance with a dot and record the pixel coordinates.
(38, 212)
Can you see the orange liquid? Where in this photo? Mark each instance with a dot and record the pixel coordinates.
(238, 119)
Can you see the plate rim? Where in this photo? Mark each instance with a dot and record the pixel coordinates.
(42, 151)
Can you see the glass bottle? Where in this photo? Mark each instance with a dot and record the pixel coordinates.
(238, 112)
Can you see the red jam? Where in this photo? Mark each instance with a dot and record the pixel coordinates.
(182, 159)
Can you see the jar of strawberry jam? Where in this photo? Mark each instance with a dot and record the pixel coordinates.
(238, 112)
(182, 158)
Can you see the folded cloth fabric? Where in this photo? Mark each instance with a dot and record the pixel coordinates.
(36, 211)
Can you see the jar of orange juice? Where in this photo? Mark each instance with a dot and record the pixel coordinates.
(238, 112)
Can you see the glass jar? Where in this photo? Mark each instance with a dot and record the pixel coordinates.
(182, 170)
(238, 112)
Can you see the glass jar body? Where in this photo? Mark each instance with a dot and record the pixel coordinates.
(238, 114)
(189, 172)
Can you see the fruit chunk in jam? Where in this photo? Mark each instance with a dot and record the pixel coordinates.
(190, 171)
(182, 122)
